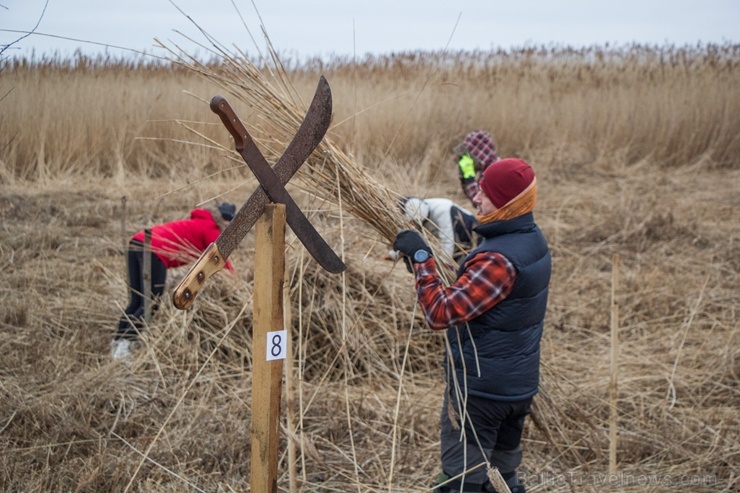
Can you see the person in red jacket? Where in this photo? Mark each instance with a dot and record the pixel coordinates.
(173, 244)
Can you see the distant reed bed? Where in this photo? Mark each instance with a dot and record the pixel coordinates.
(107, 117)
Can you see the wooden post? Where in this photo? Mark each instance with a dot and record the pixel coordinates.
(147, 275)
(124, 236)
(613, 411)
(268, 347)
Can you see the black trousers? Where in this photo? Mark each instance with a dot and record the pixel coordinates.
(491, 430)
(133, 318)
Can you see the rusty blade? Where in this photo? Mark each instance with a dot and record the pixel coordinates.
(301, 226)
(305, 141)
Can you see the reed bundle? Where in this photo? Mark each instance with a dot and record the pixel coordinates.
(330, 174)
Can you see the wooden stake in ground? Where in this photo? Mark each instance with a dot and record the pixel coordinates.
(269, 342)
(614, 368)
(147, 275)
(124, 236)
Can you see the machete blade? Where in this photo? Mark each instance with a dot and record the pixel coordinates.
(307, 138)
(299, 223)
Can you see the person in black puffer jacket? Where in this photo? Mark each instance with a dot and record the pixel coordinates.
(494, 315)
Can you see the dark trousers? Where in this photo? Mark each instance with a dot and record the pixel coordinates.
(491, 429)
(133, 318)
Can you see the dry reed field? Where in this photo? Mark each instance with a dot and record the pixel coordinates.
(636, 151)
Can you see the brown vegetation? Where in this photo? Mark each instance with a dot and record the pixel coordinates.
(636, 154)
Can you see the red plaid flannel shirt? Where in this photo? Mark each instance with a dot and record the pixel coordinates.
(488, 278)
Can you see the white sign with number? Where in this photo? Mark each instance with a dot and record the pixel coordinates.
(277, 344)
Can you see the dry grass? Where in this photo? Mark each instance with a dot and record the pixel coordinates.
(670, 106)
(622, 168)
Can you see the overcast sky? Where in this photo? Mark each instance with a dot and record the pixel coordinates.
(308, 28)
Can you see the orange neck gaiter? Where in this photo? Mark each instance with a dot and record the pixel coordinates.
(518, 206)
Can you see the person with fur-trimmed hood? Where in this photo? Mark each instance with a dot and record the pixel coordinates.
(173, 244)
(494, 316)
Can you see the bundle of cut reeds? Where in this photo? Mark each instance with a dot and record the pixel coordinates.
(329, 174)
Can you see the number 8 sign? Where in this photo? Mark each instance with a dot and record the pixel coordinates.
(276, 344)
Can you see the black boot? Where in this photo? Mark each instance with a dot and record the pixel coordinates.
(512, 481)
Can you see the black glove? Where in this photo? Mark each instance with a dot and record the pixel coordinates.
(408, 242)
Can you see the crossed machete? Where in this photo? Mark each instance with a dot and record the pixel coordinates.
(272, 188)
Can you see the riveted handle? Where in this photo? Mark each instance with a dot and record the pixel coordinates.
(233, 124)
(210, 262)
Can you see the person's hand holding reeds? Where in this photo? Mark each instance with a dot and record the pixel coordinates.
(409, 242)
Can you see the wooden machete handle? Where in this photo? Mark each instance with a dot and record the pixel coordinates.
(210, 262)
(233, 124)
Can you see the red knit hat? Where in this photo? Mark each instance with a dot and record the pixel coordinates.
(505, 179)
